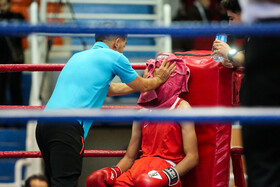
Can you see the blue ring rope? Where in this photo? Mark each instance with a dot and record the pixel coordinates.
(213, 114)
(178, 30)
(175, 30)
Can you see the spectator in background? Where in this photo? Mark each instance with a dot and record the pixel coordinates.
(11, 53)
(198, 11)
(36, 181)
(175, 6)
(261, 89)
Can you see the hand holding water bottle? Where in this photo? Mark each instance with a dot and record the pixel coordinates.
(220, 48)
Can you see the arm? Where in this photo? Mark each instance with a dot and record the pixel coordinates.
(161, 74)
(170, 176)
(138, 84)
(133, 148)
(107, 176)
(222, 49)
(239, 59)
(190, 145)
(116, 89)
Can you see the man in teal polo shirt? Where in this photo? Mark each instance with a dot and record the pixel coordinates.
(84, 82)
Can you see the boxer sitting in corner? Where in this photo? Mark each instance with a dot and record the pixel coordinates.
(169, 149)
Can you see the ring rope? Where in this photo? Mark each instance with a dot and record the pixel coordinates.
(196, 114)
(59, 67)
(48, 67)
(37, 154)
(10, 107)
(87, 153)
(175, 29)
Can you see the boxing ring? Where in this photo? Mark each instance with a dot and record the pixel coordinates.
(127, 113)
(208, 115)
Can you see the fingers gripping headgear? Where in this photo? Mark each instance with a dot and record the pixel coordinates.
(166, 94)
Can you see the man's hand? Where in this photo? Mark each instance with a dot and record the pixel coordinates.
(103, 177)
(145, 75)
(166, 177)
(164, 71)
(220, 48)
(227, 63)
(161, 74)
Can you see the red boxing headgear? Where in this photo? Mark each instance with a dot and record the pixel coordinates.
(166, 94)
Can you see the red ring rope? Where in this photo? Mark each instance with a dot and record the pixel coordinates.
(10, 107)
(87, 153)
(58, 67)
(48, 67)
(37, 154)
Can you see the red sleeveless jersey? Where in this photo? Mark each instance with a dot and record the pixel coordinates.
(163, 139)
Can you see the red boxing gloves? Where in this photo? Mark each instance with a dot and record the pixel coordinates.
(166, 177)
(103, 177)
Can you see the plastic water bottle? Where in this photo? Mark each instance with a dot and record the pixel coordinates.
(223, 38)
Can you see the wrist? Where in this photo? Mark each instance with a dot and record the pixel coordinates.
(117, 170)
(172, 176)
(159, 80)
(231, 53)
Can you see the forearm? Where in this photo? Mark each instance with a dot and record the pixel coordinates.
(189, 162)
(116, 89)
(238, 59)
(143, 84)
(151, 83)
(189, 143)
(133, 147)
(125, 163)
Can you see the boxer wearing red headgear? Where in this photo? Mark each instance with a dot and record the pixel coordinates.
(169, 148)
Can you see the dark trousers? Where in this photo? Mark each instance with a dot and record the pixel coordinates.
(12, 82)
(261, 87)
(62, 148)
(262, 150)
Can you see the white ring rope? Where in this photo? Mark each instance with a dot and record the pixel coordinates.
(197, 114)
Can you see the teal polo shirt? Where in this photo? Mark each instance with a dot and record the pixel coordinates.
(84, 80)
